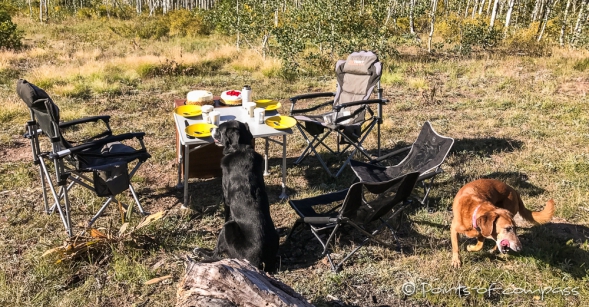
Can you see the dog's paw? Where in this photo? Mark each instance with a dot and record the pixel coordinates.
(202, 252)
(456, 263)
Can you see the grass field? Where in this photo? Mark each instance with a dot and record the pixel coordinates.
(524, 120)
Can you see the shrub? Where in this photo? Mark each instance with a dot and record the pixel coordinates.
(186, 23)
(476, 34)
(10, 36)
(525, 41)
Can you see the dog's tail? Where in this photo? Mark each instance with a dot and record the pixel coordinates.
(538, 217)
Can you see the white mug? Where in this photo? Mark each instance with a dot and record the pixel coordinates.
(259, 114)
(250, 106)
(206, 110)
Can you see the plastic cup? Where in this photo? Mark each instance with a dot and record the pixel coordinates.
(215, 117)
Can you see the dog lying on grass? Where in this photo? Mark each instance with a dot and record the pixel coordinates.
(249, 231)
(484, 209)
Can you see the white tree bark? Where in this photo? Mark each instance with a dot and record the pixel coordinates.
(433, 20)
(580, 21)
(544, 20)
(564, 24)
(481, 5)
(493, 14)
(508, 16)
(411, 22)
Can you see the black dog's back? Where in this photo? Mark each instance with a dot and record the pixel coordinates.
(249, 231)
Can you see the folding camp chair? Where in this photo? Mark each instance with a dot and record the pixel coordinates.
(425, 156)
(99, 162)
(357, 77)
(358, 206)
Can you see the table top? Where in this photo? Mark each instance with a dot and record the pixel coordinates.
(228, 113)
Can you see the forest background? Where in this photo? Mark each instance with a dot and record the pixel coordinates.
(507, 79)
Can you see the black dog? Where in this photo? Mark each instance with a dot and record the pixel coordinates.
(249, 231)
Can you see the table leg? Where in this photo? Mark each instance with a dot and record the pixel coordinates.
(266, 173)
(186, 165)
(180, 162)
(283, 194)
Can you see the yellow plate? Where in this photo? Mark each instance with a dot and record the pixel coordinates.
(268, 104)
(189, 110)
(280, 122)
(200, 130)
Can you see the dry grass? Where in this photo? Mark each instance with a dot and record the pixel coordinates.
(519, 119)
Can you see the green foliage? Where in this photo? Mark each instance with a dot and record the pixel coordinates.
(10, 36)
(525, 41)
(146, 28)
(477, 34)
(173, 68)
(582, 65)
(187, 23)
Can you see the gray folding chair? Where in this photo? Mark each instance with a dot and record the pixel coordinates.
(424, 156)
(363, 204)
(350, 118)
(99, 162)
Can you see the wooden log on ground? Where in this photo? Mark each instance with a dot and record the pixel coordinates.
(233, 282)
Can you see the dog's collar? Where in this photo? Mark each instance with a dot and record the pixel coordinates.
(474, 218)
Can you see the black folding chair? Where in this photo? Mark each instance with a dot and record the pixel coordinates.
(350, 118)
(424, 156)
(98, 162)
(358, 206)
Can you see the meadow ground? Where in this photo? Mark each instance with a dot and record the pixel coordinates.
(524, 120)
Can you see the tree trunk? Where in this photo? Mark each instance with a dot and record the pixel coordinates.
(508, 16)
(481, 5)
(411, 24)
(564, 24)
(544, 21)
(433, 20)
(493, 15)
(580, 21)
(232, 282)
(466, 8)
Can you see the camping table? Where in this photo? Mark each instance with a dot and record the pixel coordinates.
(227, 113)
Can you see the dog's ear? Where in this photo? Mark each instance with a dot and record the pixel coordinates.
(246, 136)
(486, 223)
(230, 140)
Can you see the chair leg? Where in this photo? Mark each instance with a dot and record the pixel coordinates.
(143, 212)
(99, 213)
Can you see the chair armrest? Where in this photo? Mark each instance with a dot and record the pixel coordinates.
(292, 111)
(311, 95)
(293, 101)
(105, 118)
(359, 102)
(97, 143)
(391, 154)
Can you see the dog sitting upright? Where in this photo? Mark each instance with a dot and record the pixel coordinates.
(485, 208)
(249, 231)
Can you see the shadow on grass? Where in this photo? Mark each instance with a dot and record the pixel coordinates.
(482, 147)
(558, 245)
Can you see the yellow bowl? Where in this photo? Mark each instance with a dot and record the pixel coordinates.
(281, 122)
(268, 104)
(188, 110)
(200, 130)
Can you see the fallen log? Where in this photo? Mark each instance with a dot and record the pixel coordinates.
(233, 282)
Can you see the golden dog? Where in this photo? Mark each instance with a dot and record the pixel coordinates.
(485, 208)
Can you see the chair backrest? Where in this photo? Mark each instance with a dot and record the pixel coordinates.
(363, 208)
(42, 108)
(357, 76)
(427, 153)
